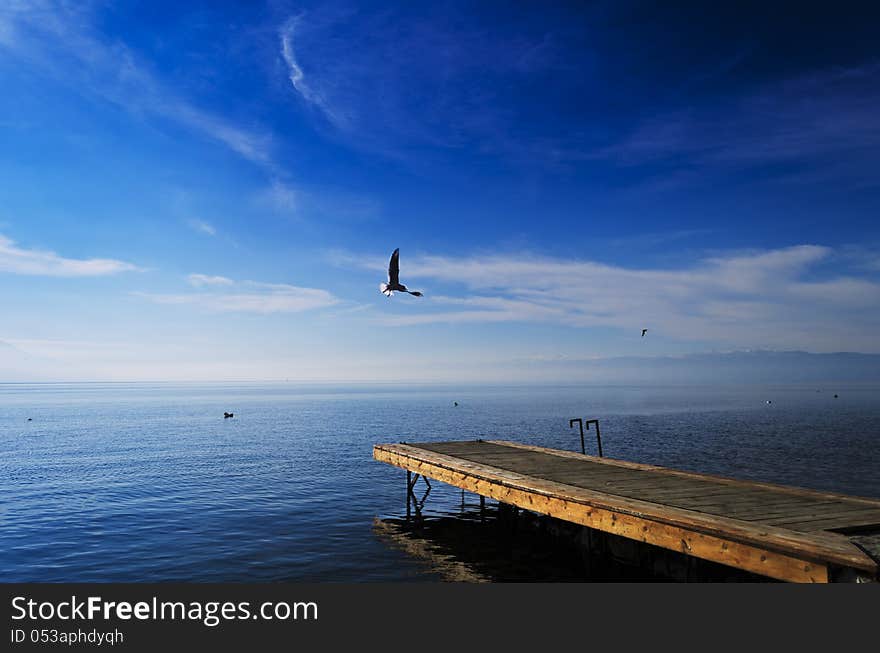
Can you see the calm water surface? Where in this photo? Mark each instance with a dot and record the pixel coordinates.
(148, 482)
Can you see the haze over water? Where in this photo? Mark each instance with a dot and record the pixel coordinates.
(148, 482)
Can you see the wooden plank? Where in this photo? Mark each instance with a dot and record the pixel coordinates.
(477, 447)
(740, 503)
(546, 463)
(831, 524)
(624, 482)
(789, 489)
(761, 497)
(760, 560)
(828, 521)
(822, 512)
(669, 493)
(630, 479)
(761, 513)
(735, 502)
(827, 547)
(704, 496)
(781, 508)
(585, 479)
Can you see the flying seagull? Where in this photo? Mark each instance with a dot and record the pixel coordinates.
(394, 278)
(644, 331)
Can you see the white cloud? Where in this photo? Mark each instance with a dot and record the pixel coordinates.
(280, 196)
(761, 298)
(58, 39)
(251, 145)
(223, 295)
(297, 77)
(199, 280)
(202, 226)
(36, 262)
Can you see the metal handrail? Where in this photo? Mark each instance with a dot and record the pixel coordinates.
(581, 423)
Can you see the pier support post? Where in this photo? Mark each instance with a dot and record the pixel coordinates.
(412, 501)
(408, 494)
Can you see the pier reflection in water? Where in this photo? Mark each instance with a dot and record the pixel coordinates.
(500, 543)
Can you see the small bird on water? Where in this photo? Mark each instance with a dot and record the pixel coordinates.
(228, 415)
(394, 278)
(644, 331)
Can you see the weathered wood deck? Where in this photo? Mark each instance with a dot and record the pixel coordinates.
(782, 532)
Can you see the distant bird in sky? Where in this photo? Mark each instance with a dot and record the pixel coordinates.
(228, 415)
(644, 331)
(394, 278)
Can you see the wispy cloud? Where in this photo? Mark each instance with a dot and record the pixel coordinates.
(59, 39)
(438, 82)
(825, 121)
(430, 79)
(297, 78)
(223, 295)
(779, 298)
(18, 260)
(280, 196)
(202, 227)
(199, 280)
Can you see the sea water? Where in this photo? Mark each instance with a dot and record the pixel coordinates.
(149, 482)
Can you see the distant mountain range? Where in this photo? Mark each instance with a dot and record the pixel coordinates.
(757, 366)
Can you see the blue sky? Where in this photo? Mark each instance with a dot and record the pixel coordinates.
(212, 191)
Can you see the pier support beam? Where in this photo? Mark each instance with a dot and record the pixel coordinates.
(411, 500)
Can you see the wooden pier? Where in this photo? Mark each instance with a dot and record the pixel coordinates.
(781, 532)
